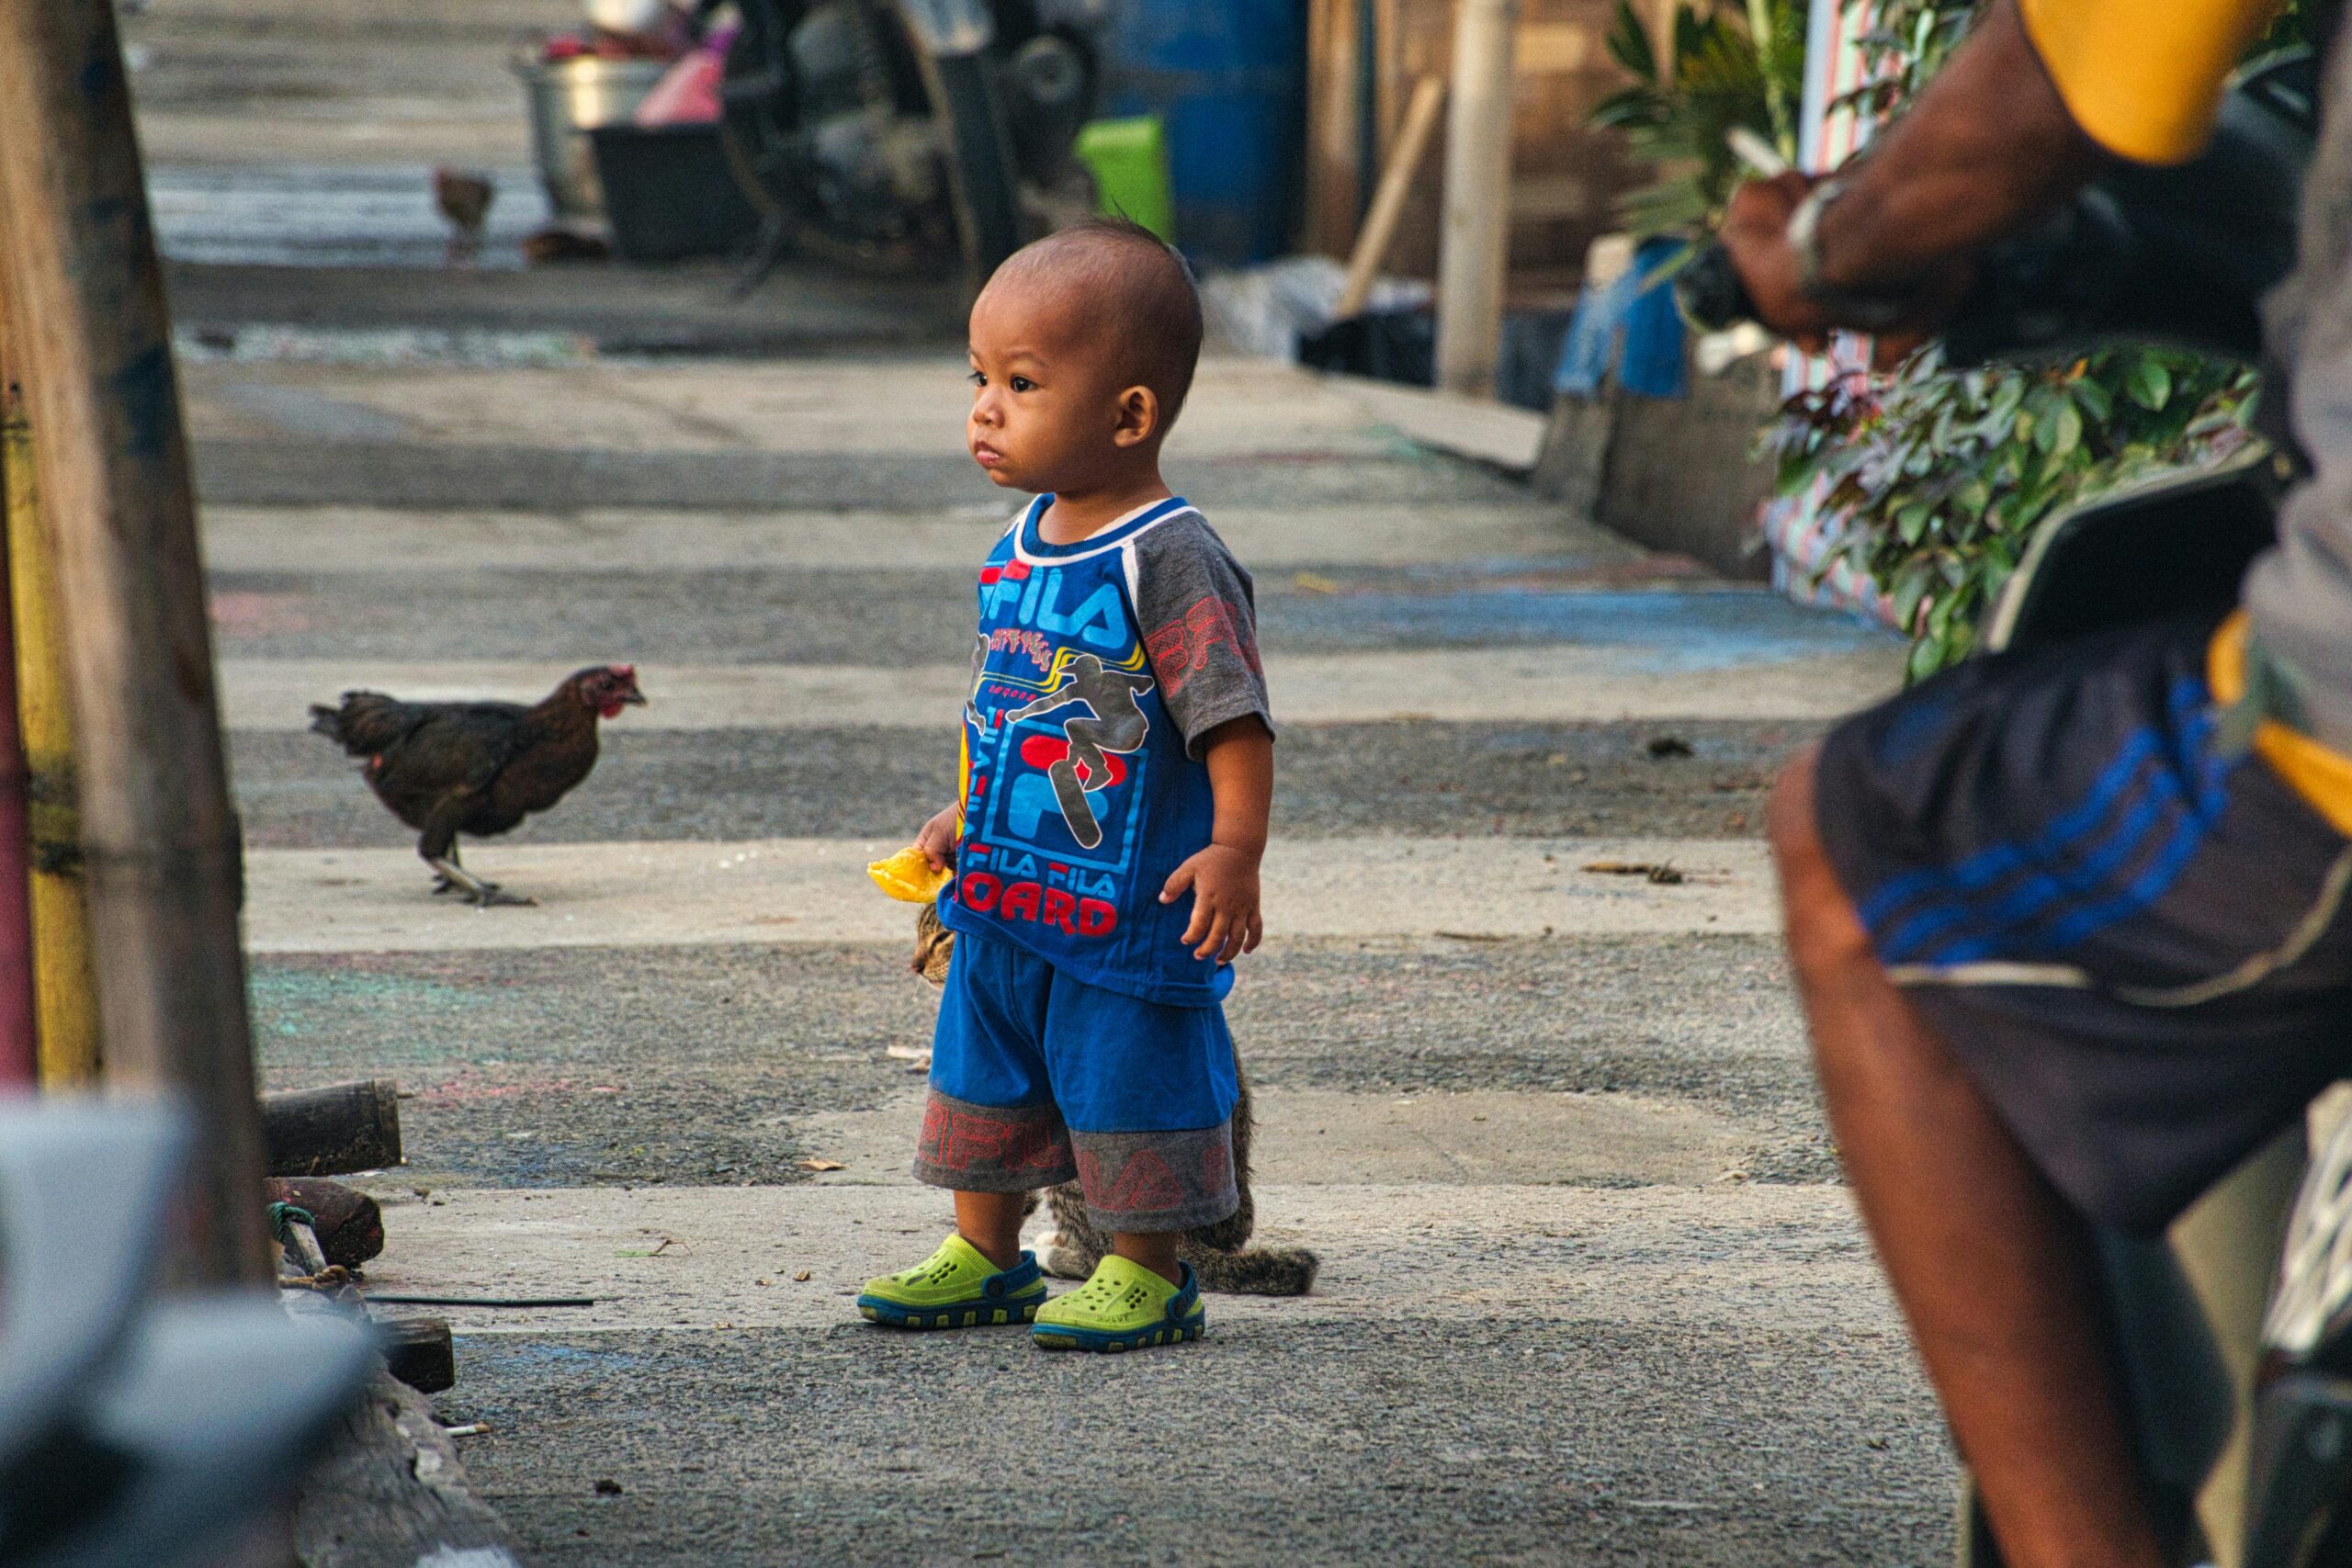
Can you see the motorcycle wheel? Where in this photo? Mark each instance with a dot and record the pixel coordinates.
(981, 174)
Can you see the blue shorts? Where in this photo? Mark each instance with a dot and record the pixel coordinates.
(2136, 942)
(1037, 1079)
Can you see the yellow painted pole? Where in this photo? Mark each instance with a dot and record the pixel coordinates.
(64, 986)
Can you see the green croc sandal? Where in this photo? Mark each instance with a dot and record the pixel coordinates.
(1124, 1307)
(955, 1287)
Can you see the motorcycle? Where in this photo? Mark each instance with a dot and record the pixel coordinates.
(909, 136)
(2231, 1332)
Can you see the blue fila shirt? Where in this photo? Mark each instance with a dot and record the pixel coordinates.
(1097, 669)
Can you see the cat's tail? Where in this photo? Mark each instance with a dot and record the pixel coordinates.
(1255, 1271)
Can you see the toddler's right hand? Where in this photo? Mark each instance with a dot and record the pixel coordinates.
(937, 840)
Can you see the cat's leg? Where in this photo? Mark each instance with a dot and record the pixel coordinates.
(1072, 1245)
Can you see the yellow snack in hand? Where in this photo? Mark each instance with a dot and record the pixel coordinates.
(909, 876)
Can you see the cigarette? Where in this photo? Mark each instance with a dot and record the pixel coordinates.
(1755, 153)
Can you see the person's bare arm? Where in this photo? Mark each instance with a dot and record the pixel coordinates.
(1224, 878)
(937, 839)
(1987, 147)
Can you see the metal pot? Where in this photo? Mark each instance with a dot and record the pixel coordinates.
(568, 99)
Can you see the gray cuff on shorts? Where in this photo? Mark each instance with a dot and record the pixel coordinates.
(990, 1148)
(1157, 1181)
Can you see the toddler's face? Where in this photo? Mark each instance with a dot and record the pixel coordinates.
(1045, 412)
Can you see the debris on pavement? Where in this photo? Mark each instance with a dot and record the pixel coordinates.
(346, 1224)
(815, 1162)
(1662, 873)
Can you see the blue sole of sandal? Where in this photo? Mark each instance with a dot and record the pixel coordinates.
(960, 1314)
(1059, 1337)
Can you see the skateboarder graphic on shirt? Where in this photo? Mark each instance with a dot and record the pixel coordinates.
(1117, 725)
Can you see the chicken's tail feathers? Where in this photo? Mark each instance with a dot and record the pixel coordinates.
(364, 722)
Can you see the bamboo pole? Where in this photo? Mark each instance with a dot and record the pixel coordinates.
(19, 1035)
(64, 990)
(1474, 239)
(87, 321)
(1379, 229)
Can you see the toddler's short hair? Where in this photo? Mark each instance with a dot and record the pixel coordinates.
(1133, 286)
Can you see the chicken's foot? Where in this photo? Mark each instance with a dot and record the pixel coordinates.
(479, 894)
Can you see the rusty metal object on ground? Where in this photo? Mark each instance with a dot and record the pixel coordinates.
(328, 1131)
(349, 1225)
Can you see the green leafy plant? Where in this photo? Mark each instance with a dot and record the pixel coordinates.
(1905, 45)
(1731, 66)
(1939, 476)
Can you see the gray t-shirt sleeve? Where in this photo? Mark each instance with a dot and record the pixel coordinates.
(1199, 616)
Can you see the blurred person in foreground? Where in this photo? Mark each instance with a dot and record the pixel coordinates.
(2070, 925)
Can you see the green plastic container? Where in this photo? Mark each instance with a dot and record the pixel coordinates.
(1129, 159)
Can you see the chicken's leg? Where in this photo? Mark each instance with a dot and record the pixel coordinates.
(479, 894)
(441, 881)
(438, 849)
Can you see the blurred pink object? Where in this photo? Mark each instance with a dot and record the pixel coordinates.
(688, 93)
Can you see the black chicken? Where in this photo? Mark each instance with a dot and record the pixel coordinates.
(479, 768)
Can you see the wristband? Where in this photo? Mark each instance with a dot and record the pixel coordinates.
(1867, 312)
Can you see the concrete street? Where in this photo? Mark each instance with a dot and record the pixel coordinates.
(1592, 1290)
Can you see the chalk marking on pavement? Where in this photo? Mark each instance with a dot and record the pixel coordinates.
(1517, 685)
(799, 891)
(1791, 1258)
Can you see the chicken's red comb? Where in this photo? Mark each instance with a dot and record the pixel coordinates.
(627, 671)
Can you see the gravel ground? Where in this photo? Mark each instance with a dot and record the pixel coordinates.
(1522, 1441)
(787, 616)
(1438, 780)
(584, 1066)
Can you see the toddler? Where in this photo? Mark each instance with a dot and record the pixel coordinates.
(1118, 756)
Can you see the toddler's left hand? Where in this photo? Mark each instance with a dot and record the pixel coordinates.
(1225, 921)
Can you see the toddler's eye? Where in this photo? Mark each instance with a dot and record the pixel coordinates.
(1022, 384)
(978, 379)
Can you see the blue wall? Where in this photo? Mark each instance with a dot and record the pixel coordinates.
(1229, 79)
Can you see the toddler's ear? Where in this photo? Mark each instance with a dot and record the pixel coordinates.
(1138, 417)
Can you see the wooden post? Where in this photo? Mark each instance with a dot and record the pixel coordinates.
(64, 990)
(1379, 229)
(1473, 240)
(1367, 88)
(88, 327)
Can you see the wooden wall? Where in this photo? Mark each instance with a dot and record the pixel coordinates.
(1564, 175)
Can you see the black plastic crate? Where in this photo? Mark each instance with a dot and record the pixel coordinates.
(669, 192)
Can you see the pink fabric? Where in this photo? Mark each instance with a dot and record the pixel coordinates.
(687, 93)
